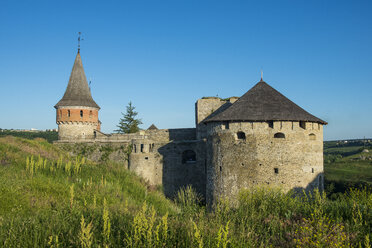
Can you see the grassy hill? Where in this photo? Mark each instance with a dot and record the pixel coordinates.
(50, 199)
(348, 164)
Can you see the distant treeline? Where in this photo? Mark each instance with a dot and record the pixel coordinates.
(50, 136)
(340, 143)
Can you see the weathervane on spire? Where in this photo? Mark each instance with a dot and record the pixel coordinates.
(79, 38)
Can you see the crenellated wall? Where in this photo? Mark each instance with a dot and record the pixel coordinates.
(281, 153)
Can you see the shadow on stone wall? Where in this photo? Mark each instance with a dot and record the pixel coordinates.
(178, 134)
(318, 182)
(178, 172)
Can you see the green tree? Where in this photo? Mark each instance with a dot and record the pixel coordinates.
(129, 123)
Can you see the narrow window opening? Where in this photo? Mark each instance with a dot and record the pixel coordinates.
(188, 157)
(135, 148)
(312, 136)
(90, 114)
(95, 134)
(68, 113)
(225, 125)
(312, 170)
(241, 135)
(220, 168)
(279, 136)
(271, 124)
(142, 146)
(81, 113)
(147, 158)
(276, 170)
(303, 124)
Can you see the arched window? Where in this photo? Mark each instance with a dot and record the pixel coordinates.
(81, 113)
(188, 157)
(90, 114)
(312, 136)
(240, 135)
(68, 113)
(279, 135)
(95, 134)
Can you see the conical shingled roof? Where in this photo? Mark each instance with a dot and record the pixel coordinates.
(77, 92)
(264, 103)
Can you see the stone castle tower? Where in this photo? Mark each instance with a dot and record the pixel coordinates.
(77, 112)
(260, 138)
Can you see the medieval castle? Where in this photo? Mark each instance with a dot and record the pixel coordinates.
(261, 138)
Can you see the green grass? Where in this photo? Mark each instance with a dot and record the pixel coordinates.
(70, 202)
(345, 167)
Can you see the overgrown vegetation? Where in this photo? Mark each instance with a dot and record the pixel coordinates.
(49, 199)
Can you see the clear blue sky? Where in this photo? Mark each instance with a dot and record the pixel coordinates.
(164, 55)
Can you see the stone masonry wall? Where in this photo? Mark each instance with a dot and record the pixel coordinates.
(206, 107)
(294, 162)
(76, 131)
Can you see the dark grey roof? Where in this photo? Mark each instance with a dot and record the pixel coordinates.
(264, 103)
(152, 127)
(77, 92)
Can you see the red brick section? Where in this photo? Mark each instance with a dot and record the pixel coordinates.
(75, 115)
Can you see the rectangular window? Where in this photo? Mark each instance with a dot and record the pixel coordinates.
(303, 124)
(276, 170)
(271, 124)
(225, 125)
(142, 147)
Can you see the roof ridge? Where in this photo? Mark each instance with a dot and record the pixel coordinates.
(263, 103)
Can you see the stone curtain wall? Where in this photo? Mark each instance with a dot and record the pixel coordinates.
(293, 162)
(157, 156)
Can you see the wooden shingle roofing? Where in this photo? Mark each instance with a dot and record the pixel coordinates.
(77, 91)
(264, 103)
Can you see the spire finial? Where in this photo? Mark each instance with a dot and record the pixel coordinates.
(261, 75)
(79, 39)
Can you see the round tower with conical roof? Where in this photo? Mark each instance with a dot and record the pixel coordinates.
(263, 139)
(77, 112)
